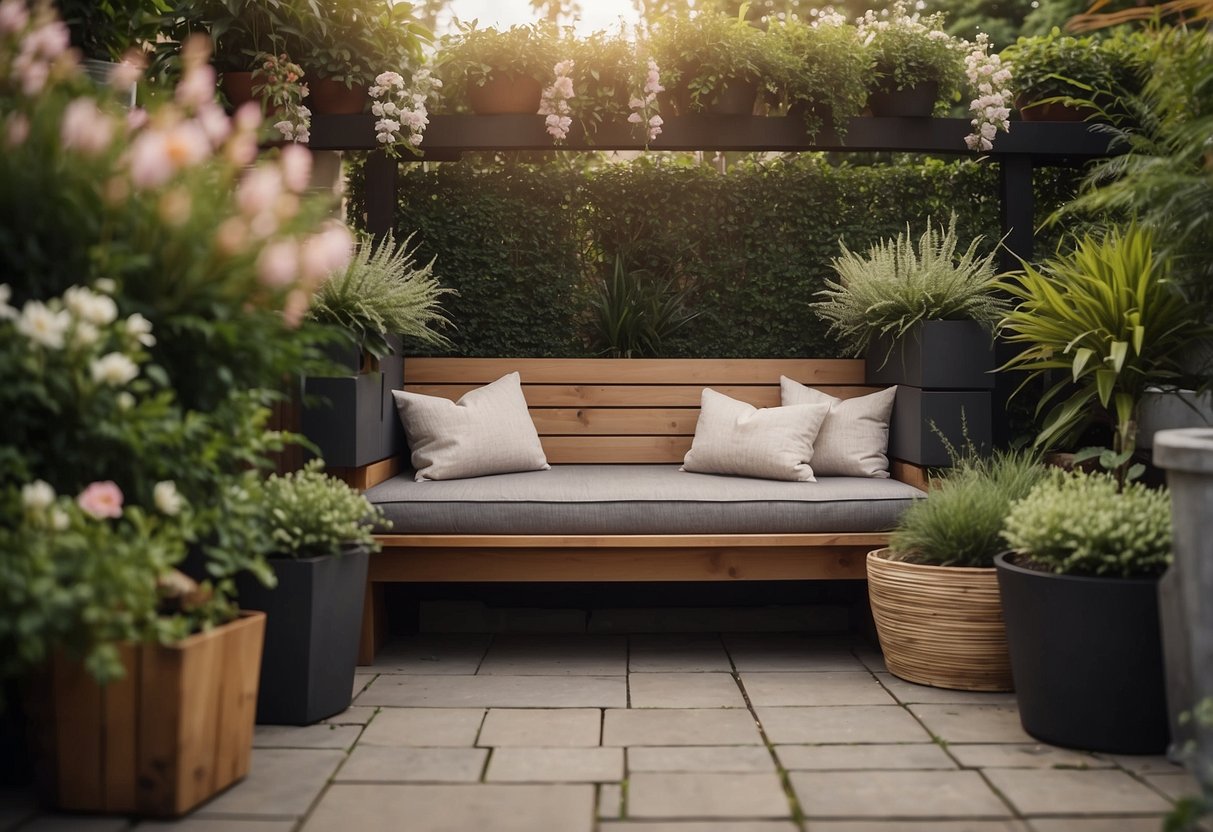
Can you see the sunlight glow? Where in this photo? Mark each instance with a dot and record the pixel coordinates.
(595, 14)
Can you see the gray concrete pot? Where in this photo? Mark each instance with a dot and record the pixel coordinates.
(1172, 409)
(1187, 619)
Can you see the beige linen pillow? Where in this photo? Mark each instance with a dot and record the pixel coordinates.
(488, 431)
(773, 443)
(854, 439)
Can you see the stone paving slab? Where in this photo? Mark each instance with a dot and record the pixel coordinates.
(723, 726)
(610, 800)
(896, 794)
(1064, 792)
(216, 825)
(920, 826)
(872, 659)
(684, 690)
(1106, 824)
(307, 736)
(579, 655)
(76, 823)
(555, 765)
(815, 688)
(378, 764)
(973, 723)
(720, 758)
(282, 782)
(541, 727)
(497, 692)
(670, 795)
(685, 660)
(880, 724)
(918, 757)
(777, 653)
(353, 715)
(700, 826)
(1145, 763)
(455, 808)
(452, 727)
(361, 680)
(433, 654)
(818, 618)
(910, 693)
(1023, 755)
(1174, 786)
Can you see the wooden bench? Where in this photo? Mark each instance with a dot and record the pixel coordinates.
(616, 411)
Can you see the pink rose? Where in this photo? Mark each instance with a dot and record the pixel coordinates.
(101, 500)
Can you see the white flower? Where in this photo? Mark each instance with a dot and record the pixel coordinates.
(635, 118)
(85, 335)
(113, 369)
(87, 305)
(37, 496)
(43, 325)
(106, 285)
(141, 328)
(59, 520)
(167, 498)
(7, 313)
(124, 400)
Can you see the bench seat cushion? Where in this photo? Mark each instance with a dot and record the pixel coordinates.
(638, 499)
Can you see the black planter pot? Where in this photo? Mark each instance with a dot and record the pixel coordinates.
(352, 419)
(912, 102)
(314, 620)
(920, 417)
(734, 97)
(939, 355)
(1087, 659)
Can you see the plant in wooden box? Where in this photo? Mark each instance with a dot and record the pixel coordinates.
(823, 76)
(383, 295)
(498, 71)
(923, 316)
(1079, 591)
(934, 591)
(142, 324)
(713, 62)
(320, 538)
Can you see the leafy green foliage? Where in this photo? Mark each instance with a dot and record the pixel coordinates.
(473, 56)
(1110, 318)
(824, 71)
(1090, 71)
(698, 55)
(895, 286)
(310, 514)
(1002, 20)
(960, 522)
(239, 29)
(909, 50)
(352, 41)
(106, 29)
(605, 70)
(383, 292)
(1081, 524)
(635, 312)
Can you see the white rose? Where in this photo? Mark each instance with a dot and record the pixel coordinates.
(37, 496)
(167, 498)
(113, 369)
(141, 328)
(44, 326)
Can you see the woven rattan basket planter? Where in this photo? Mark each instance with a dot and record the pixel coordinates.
(940, 625)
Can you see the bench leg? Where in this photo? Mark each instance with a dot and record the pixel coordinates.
(374, 622)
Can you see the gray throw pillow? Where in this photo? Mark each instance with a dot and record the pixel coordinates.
(854, 439)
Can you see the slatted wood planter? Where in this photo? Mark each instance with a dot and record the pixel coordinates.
(174, 731)
(940, 625)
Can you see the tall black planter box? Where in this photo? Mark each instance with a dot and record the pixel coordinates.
(915, 411)
(313, 624)
(352, 419)
(936, 355)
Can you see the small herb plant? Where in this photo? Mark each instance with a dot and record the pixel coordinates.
(699, 54)
(310, 514)
(894, 286)
(474, 56)
(960, 522)
(909, 49)
(823, 70)
(1085, 524)
(383, 292)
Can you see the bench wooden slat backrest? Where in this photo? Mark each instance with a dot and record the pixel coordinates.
(628, 410)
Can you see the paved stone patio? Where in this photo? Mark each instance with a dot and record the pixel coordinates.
(662, 733)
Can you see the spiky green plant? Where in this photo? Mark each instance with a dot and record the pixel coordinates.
(634, 312)
(894, 286)
(384, 292)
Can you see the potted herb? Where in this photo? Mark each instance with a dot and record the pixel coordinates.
(320, 538)
(712, 62)
(1080, 595)
(822, 76)
(499, 71)
(918, 65)
(923, 315)
(383, 295)
(934, 591)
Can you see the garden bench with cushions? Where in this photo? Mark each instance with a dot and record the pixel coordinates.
(614, 505)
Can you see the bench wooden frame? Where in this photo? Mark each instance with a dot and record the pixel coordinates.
(615, 411)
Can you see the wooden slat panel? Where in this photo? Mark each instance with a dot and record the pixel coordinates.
(657, 564)
(866, 540)
(366, 476)
(700, 371)
(629, 395)
(621, 449)
(909, 473)
(607, 422)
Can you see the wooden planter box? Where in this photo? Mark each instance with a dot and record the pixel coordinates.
(175, 731)
(938, 355)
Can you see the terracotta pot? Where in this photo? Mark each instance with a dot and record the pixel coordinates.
(238, 87)
(917, 101)
(334, 98)
(502, 94)
(1029, 110)
(734, 98)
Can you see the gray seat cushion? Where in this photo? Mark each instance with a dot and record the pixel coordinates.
(638, 499)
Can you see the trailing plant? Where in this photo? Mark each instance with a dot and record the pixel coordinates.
(699, 54)
(1086, 524)
(352, 41)
(961, 520)
(473, 56)
(382, 292)
(604, 65)
(896, 286)
(910, 49)
(823, 72)
(278, 83)
(1108, 316)
(400, 108)
(635, 312)
(310, 514)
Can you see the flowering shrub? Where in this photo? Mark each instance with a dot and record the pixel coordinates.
(822, 69)
(554, 102)
(644, 106)
(278, 82)
(398, 107)
(991, 107)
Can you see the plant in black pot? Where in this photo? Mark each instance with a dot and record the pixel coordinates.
(495, 72)
(1079, 592)
(320, 533)
(918, 65)
(713, 62)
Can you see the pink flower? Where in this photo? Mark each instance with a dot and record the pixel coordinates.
(157, 155)
(14, 16)
(125, 75)
(296, 166)
(296, 306)
(101, 500)
(16, 130)
(259, 191)
(85, 128)
(278, 264)
(197, 87)
(326, 253)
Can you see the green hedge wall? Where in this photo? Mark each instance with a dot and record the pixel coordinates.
(754, 244)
